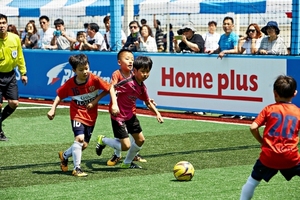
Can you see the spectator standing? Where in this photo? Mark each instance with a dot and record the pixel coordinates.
(228, 43)
(171, 37)
(273, 43)
(31, 38)
(107, 38)
(133, 36)
(46, 34)
(251, 42)
(159, 34)
(11, 57)
(190, 42)
(95, 41)
(146, 42)
(62, 39)
(211, 38)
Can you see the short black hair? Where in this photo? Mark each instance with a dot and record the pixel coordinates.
(142, 62)
(94, 26)
(2, 16)
(106, 19)
(228, 18)
(78, 60)
(123, 50)
(85, 25)
(285, 86)
(80, 33)
(58, 22)
(212, 22)
(143, 21)
(134, 22)
(44, 17)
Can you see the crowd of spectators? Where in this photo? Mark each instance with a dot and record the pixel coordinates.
(143, 38)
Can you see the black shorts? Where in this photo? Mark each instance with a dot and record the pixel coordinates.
(260, 172)
(79, 128)
(8, 86)
(122, 128)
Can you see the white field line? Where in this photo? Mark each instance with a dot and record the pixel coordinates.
(105, 110)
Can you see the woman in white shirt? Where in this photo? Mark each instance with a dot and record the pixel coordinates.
(146, 42)
(251, 42)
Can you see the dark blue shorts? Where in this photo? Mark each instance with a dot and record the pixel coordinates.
(122, 128)
(260, 172)
(79, 128)
(8, 86)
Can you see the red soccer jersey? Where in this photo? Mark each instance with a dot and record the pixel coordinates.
(82, 95)
(128, 91)
(116, 77)
(280, 138)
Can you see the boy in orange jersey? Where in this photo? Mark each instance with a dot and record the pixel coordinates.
(83, 88)
(279, 143)
(125, 60)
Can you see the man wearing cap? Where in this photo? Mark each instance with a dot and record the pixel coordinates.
(273, 44)
(190, 42)
(228, 43)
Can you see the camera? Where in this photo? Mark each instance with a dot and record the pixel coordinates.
(57, 33)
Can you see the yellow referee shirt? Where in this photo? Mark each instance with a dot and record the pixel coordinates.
(11, 54)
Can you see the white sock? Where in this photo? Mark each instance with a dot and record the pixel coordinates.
(68, 153)
(76, 153)
(117, 152)
(116, 144)
(134, 148)
(248, 188)
(132, 141)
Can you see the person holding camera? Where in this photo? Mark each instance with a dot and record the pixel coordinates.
(62, 39)
(133, 37)
(31, 38)
(190, 42)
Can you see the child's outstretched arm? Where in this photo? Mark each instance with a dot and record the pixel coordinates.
(95, 101)
(255, 132)
(114, 104)
(51, 113)
(151, 106)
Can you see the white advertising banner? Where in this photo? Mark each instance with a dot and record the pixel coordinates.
(235, 84)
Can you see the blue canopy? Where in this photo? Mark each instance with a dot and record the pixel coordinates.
(59, 8)
(214, 6)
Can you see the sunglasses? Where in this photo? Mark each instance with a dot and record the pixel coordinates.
(132, 27)
(251, 30)
(42, 22)
(186, 30)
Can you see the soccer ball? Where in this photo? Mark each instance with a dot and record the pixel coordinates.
(183, 171)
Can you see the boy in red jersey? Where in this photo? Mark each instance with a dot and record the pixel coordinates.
(83, 88)
(126, 122)
(279, 143)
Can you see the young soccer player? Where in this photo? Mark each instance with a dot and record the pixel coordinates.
(279, 143)
(126, 122)
(125, 60)
(83, 89)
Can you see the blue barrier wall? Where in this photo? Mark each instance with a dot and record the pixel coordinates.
(237, 84)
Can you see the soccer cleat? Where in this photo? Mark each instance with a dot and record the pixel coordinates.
(113, 161)
(139, 158)
(131, 165)
(78, 172)
(63, 162)
(100, 145)
(3, 137)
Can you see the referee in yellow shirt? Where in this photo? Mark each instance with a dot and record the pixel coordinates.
(11, 56)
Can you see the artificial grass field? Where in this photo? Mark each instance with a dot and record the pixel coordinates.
(222, 155)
